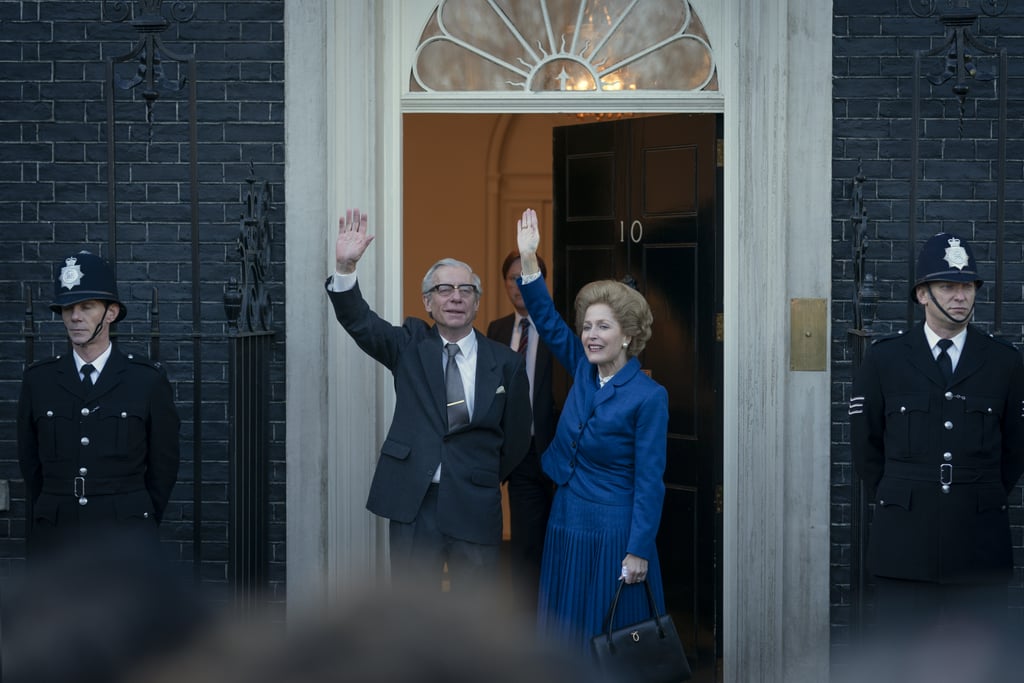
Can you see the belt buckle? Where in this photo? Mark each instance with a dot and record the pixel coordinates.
(79, 487)
(946, 476)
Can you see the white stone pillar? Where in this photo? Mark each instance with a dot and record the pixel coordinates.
(340, 136)
(358, 389)
(305, 320)
(777, 81)
(808, 416)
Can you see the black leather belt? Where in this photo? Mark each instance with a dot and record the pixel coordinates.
(93, 486)
(945, 474)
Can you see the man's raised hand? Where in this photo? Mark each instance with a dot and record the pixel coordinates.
(352, 240)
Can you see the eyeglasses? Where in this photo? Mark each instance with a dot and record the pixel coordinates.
(446, 290)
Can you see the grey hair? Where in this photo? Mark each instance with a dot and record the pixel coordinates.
(428, 279)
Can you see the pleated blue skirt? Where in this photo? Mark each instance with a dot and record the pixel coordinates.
(580, 570)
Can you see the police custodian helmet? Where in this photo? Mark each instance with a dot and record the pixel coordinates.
(946, 258)
(82, 277)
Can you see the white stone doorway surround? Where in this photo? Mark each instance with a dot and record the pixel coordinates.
(347, 78)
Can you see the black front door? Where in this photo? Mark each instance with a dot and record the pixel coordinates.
(638, 199)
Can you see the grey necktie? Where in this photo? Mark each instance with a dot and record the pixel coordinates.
(943, 359)
(87, 371)
(458, 412)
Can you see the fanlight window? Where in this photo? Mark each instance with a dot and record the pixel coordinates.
(535, 45)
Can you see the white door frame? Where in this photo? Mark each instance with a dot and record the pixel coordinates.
(346, 66)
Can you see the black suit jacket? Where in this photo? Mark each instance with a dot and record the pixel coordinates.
(544, 415)
(123, 432)
(911, 433)
(476, 458)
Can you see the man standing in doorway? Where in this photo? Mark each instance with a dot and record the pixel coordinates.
(461, 422)
(937, 436)
(529, 489)
(97, 429)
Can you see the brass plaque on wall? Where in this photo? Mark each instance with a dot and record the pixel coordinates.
(808, 334)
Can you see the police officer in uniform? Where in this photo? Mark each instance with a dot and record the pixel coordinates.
(97, 429)
(937, 436)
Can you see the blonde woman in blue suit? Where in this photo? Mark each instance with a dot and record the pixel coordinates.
(607, 457)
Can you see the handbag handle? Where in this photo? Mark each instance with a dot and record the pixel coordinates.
(610, 617)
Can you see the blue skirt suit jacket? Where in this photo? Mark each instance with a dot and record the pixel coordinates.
(609, 445)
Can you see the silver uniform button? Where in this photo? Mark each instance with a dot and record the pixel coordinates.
(82, 471)
(145, 515)
(85, 412)
(949, 395)
(947, 424)
(123, 414)
(945, 488)
(85, 441)
(947, 456)
(903, 409)
(49, 413)
(83, 501)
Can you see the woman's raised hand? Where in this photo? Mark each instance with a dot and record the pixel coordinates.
(527, 233)
(527, 239)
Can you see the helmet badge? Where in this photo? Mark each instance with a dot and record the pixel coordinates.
(956, 256)
(71, 273)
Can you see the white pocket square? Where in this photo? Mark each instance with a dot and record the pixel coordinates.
(500, 390)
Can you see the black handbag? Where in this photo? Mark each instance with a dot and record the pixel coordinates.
(646, 652)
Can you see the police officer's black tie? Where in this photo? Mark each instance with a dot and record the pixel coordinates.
(458, 412)
(943, 359)
(87, 371)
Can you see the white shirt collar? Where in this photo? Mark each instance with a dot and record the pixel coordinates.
(97, 364)
(516, 329)
(933, 339)
(467, 344)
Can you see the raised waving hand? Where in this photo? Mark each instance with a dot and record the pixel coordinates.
(528, 239)
(352, 241)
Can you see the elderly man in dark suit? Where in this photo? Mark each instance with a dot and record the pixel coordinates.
(97, 429)
(461, 422)
(529, 489)
(937, 433)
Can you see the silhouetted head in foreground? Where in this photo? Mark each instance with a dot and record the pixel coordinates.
(386, 636)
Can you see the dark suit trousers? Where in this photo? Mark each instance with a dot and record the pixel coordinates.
(529, 500)
(419, 551)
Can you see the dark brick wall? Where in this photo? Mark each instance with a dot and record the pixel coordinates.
(873, 65)
(53, 201)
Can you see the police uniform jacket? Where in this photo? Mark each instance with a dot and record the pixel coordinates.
(101, 455)
(474, 458)
(939, 459)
